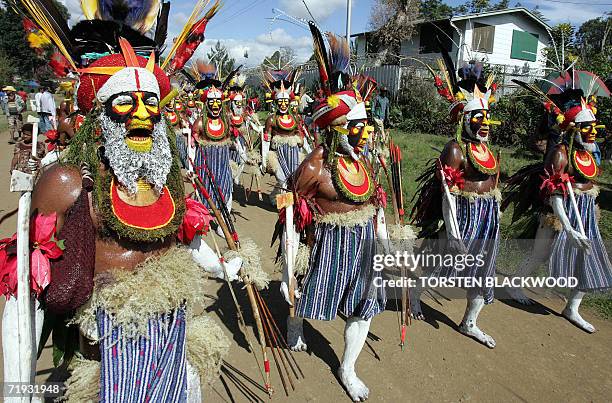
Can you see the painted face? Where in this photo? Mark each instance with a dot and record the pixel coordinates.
(214, 107)
(476, 124)
(191, 101)
(282, 104)
(588, 132)
(236, 106)
(139, 111)
(178, 106)
(358, 134)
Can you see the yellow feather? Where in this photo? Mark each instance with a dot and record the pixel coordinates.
(109, 71)
(38, 40)
(333, 101)
(151, 62)
(89, 8)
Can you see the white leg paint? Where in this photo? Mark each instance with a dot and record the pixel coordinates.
(539, 255)
(355, 334)
(468, 326)
(295, 334)
(571, 312)
(194, 392)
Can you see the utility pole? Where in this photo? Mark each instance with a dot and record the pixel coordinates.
(348, 21)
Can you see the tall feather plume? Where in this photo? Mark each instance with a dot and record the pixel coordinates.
(450, 66)
(138, 14)
(90, 9)
(191, 78)
(365, 85)
(191, 36)
(161, 29)
(46, 15)
(294, 76)
(320, 55)
(339, 53)
(229, 78)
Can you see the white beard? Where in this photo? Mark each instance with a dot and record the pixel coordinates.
(128, 165)
(590, 147)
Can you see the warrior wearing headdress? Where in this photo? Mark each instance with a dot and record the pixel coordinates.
(212, 134)
(461, 188)
(238, 125)
(555, 201)
(337, 201)
(283, 147)
(117, 203)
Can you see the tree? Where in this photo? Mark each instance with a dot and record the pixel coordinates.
(280, 59)
(563, 46)
(219, 56)
(431, 10)
(480, 6)
(394, 22)
(13, 43)
(7, 71)
(595, 35)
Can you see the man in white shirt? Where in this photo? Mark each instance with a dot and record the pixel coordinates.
(47, 111)
(37, 99)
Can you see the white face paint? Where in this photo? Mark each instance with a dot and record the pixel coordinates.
(476, 125)
(129, 165)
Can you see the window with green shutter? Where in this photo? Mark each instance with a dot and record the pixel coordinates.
(524, 46)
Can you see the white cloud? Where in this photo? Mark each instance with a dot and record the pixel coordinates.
(257, 49)
(279, 37)
(321, 9)
(575, 14)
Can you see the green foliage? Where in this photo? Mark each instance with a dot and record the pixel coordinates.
(519, 114)
(431, 10)
(420, 109)
(7, 71)
(14, 46)
(219, 56)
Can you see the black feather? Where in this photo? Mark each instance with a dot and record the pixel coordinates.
(103, 36)
(161, 29)
(229, 77)
(55, 18)
(427, 210)
(188, 76)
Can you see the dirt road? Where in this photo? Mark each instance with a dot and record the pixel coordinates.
(539, 355)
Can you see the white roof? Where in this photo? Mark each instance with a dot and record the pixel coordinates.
(498, 12)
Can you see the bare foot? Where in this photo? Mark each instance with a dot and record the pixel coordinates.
(473, 331)
(356, 389)
(577, 320)
(519, 296)
(295, 334)
(416, 312)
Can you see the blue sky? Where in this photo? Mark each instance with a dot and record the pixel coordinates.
(247, 24)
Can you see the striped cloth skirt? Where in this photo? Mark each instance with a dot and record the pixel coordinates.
(340, 276)
(478, 220)
(234, 156)
(288, 158)
(593, 271)
(143, 369)
(217, 160)
(181, 146)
